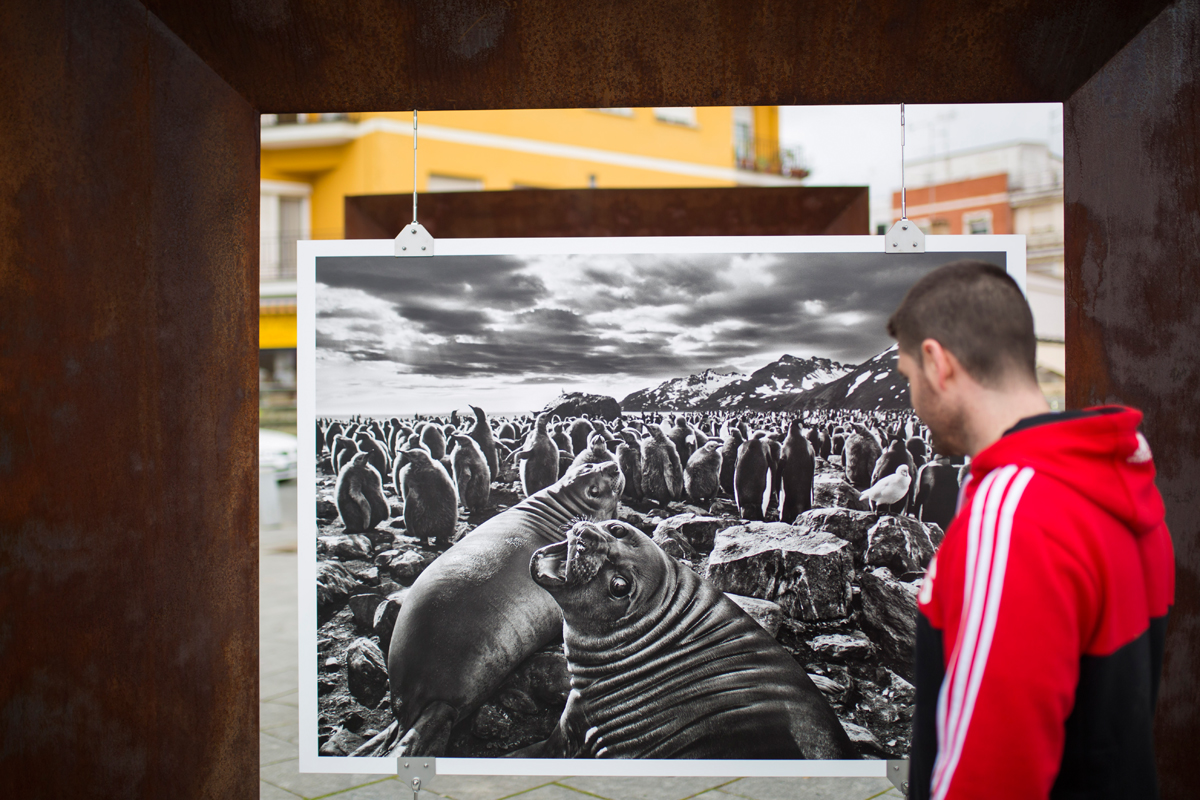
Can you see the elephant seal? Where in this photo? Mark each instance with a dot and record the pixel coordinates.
(359, 494)
(538, 459)
(475, 613)
(663, 665)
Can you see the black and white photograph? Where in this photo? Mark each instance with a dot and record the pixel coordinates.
(572, 502)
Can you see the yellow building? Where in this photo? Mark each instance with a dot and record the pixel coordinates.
(312, 162)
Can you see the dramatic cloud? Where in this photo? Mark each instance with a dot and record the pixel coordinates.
(445, 326)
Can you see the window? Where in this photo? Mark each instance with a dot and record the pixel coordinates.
(977, 222)
(676, 116)
(451, 183)
(616, 112)
(283, 220)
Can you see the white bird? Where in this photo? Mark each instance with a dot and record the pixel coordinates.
(890, 489)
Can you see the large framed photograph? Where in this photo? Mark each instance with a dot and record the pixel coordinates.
(630, 506)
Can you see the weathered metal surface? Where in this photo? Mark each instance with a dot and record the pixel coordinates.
(1132, 194)
(328, 55)
(742, 211)
(128, 411)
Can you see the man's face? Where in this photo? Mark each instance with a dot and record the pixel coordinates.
(936, 408)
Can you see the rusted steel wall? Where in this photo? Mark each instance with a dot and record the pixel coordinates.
(128, 411)
(382, 55)
(1133, 307)
(741, 211)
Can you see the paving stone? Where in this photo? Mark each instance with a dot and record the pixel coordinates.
(273, 750)
(268, 792)
(313, 784)
(486, 787)
(808, 788)
(644, 788)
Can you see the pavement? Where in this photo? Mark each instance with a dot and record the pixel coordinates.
(279, 726)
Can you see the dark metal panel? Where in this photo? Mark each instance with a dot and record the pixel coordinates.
(1133, 306)
(742, 211)
(128, 411)
(373, 55)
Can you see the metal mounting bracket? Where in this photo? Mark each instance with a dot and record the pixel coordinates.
(414, 240)
(904, 237)
(415, 772)
(897, 772)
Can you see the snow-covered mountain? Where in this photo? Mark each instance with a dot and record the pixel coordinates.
(680, 394)
(874, 384)
(771, 387)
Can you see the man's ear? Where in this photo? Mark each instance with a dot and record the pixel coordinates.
(939, 364)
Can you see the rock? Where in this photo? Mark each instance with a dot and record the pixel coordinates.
(335, 584)
(889, 617)
(864, 740)
(549, 678)
(936, 534)
(768, 615)
(403, 565)
(806, 572)
(342, 742)
(844, 523)
(326, 686)
(492, 722)
(637, 519)
(366, 672)
(837, 493)
(724, 508)
(842, 647)
(363, 607)
(698, 531)
(675, 548)
(326, 510)
(900, 544)
(366, 572)
(343, 547)
(385, 616)
(395, 509)
(575, 404)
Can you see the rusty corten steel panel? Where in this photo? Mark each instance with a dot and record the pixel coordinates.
(128, 411)
(741, 211)
(1133, 307)
(382, 55)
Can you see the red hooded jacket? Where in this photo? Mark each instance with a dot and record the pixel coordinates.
(1041, 619)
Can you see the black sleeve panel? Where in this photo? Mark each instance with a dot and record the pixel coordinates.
(929, 674)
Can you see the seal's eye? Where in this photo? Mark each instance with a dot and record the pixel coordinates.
(593, 490)
(617, 530)
(619, 587)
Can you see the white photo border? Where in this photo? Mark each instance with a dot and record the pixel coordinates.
(1013, 246)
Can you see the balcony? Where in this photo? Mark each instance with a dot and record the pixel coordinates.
(766, 156)
(276, 120)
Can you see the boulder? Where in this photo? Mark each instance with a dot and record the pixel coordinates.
(831, 688)
(844, 523)
(363, 607)
(366, 672)
(575, 404)
(835, 492)
(768, 615)
(637, 519)
(899, 543)
(492, 722)
(724, 508)
(403, 565)
(384, 618)
(326, 510)
(342, 742)
(698, 531)
(335, 584)
(806, 572)
(936, 534)
(868, 746)
(889, 617)
(842, 647)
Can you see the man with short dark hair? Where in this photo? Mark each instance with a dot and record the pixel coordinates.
(1041, 617)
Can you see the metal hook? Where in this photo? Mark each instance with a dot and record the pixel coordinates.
(414, 240)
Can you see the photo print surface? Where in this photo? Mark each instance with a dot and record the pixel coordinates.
(625, 502)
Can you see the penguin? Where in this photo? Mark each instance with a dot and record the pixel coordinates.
(430, 499)
(359, 495)
(539, 458)
(859, 455)
(662, 473)
(936, 496)
(750, 477)
(797, 466)
(472, 475)
(579, 431)
(889, 461)
(595, 453)
(434, 439)
(729, 454)
(702, 475)
(482, 434)
(629, 459)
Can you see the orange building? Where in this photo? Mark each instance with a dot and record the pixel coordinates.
(978, 205)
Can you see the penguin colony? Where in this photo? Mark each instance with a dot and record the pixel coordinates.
(434, 478)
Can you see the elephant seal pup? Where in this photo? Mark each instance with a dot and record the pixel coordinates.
(663, 665)
(475, 613)
(359, 493)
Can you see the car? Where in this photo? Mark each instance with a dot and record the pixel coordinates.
(277, 451)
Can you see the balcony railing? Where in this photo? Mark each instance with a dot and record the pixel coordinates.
(765, 155)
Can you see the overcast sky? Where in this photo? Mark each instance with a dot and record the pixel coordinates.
(860, 145)
(510, 332)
